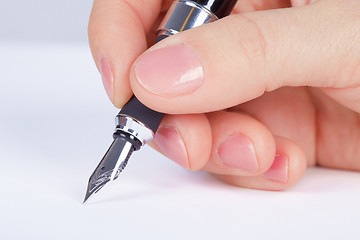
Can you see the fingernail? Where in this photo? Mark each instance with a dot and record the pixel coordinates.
(170, 71)
(299, 3)
(107, 76)
(278, 172)
(171, 144)
(238, 152)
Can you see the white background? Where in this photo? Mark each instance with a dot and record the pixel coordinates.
(44, 20)
(56, 123)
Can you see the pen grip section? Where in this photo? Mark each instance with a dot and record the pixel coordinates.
(135, 109)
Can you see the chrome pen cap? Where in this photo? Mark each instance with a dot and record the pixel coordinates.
(184, 15)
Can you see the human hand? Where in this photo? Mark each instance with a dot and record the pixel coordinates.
(254, 98)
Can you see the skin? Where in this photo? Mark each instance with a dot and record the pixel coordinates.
(306, 73)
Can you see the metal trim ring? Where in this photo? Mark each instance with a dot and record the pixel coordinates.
(184, 15)
(135, 128)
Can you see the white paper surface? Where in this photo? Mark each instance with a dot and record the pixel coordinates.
(55, 125)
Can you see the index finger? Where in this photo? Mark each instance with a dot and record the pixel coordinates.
(117, 35)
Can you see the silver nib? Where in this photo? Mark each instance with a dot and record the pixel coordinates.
(130, 135)
(111, 165)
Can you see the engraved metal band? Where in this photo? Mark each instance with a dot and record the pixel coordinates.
(134, 127)
(184, 15)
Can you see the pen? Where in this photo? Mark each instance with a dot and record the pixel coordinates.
(136, 124)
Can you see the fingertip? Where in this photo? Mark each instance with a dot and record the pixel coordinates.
(161, 75)
(287, 169)
(117, 33)
(185, 139)
(289, 165)
(242, 146)
(122, 95)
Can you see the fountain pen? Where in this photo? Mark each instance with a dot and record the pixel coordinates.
(136, 124)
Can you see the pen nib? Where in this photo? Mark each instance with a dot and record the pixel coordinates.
(111, 165)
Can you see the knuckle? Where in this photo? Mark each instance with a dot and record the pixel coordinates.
(256, 42)
(250, 39)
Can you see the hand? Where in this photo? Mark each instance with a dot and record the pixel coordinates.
(254, 98)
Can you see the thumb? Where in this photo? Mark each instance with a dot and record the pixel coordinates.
(240, 57)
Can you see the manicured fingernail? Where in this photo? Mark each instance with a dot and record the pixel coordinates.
(238, 152)
(170, 71)
(171, 144)
(107, 76)
(278, 172)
